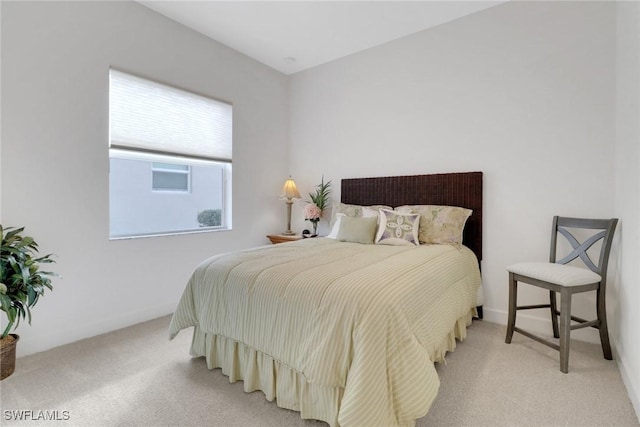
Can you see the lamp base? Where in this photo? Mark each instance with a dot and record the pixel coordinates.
(288, 232)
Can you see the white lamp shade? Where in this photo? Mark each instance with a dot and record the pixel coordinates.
(289, 190)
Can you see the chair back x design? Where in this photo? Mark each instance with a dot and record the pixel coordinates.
(606, 227)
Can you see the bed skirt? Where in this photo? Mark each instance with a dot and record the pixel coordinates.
(286, 385)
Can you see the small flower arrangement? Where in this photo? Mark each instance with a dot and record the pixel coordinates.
(312, 212)
(319, 200)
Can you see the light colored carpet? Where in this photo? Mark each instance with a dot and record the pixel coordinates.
(136, 377)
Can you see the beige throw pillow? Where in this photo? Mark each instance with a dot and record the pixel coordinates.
(357, 230)
(439, 224)
(355, 210)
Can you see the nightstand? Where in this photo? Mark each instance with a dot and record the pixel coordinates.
(281, 238)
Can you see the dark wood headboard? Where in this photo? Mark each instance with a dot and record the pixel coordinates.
(462, 189)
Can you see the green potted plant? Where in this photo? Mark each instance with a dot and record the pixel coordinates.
(21, 284)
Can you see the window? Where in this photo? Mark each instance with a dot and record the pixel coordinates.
(169, 157)
(170, 177)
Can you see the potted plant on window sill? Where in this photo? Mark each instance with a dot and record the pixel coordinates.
(21, 284)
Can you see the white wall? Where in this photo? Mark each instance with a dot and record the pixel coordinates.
(524, 92)
(624, 312)
(55, 72)
(0, 113)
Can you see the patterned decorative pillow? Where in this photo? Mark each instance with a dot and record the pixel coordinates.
(372, 211)
(439, 224)
(355, 210)
(399, 229)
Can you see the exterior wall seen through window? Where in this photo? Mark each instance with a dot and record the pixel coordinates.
(142, 202)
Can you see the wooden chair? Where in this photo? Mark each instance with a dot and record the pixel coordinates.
(566, 280)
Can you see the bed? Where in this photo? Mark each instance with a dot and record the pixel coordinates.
(340, 331)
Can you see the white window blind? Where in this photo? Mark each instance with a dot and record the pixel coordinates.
(153, 117)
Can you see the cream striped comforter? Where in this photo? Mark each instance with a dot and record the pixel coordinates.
(354, 328)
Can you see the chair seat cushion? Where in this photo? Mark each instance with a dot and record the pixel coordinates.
(564, 275)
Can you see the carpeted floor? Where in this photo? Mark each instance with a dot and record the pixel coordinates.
(136, 377)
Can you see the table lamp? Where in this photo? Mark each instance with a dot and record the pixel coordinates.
(289, 192)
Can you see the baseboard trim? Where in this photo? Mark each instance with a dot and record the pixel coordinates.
(629, 378)
(35, 343)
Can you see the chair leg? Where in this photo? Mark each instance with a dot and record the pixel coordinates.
(565, 329)
(604, 332)
(554, 313)
(513, 299)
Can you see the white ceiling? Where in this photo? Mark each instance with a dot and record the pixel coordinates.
(292, 36)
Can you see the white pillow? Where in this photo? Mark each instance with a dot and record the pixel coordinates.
(396, 228)
(336, 226)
